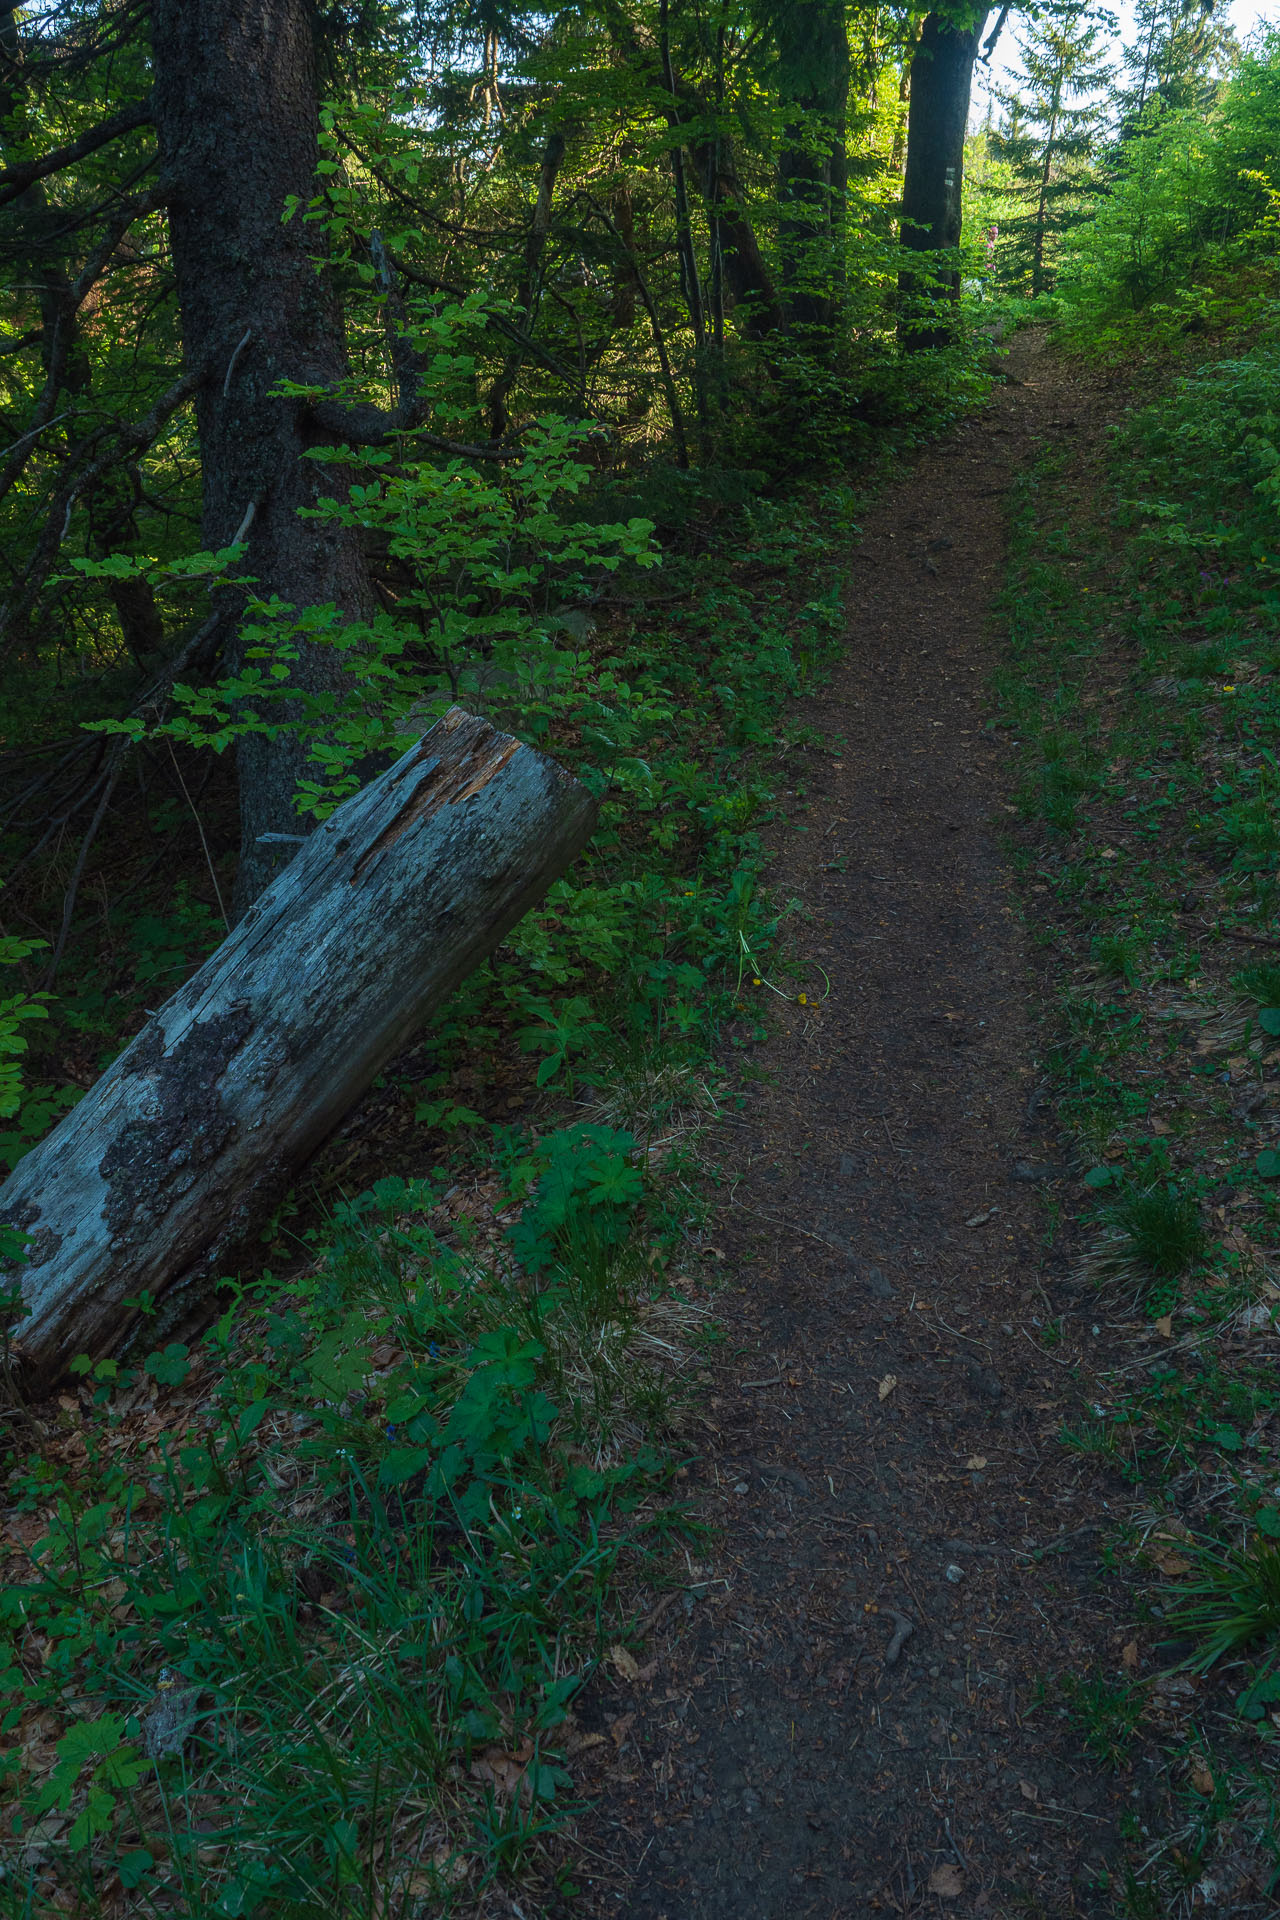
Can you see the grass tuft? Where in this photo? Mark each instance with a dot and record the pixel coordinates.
(1153, 1236)
(1233, 1604)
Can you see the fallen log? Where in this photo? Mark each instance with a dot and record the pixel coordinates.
(186, 1144)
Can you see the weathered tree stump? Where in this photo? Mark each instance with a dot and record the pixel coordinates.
(185, 1145)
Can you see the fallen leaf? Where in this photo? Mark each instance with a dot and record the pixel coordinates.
(452, 1867)
(1028, 1791)
(887, 1385)
(975, 1463)
(626, 1663)
(946, 1880)
(1129, 1656)
(506, 1772)
(1164, 1326)
(583, 1742)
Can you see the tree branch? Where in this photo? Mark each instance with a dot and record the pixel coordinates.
(364, 425)
(499, 321)
(115, 768)
(527, 291)
(22, 341)
(659, 341)
(989, 44)
(68, 305)
(122, 218)
(125, 440)
(406, 364)
(14, 181)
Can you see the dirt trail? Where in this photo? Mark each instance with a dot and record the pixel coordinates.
(886, 1448)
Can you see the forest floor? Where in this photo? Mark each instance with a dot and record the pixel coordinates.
(851, 1710)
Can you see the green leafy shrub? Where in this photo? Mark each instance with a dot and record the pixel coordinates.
(343, 1608)
(1182, 239)
(1203, 478)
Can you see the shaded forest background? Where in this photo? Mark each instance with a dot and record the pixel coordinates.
(357, 360)
(350, 349)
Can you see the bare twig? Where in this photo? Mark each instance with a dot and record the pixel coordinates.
(240, 346)
(208, 857)
(31, 432)
(1254, 939)
(247, 521)
(1043, 1354)
(530, 274)
(150, 706)
(116, 760)
(972, 1338)
(62, 330)
(788, 1226)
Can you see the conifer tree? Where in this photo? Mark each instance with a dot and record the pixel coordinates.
(1053, 120)
(1179, 52)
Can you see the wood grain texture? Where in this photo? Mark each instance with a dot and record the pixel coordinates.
(184, 1146)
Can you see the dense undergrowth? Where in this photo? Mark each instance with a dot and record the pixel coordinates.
(1143, 695)
(297, 1611)
(1183, 240)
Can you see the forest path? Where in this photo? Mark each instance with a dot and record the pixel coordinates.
(886, 1416)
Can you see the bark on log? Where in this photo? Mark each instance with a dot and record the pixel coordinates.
(185, 1145)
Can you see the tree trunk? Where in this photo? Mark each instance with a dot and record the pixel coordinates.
(898, 152)
(530, 277)
(237, 123)
(748, 278)
(941, 77)
(1042, 207)
(690, 279)
(187, 1142)
(813, 57)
